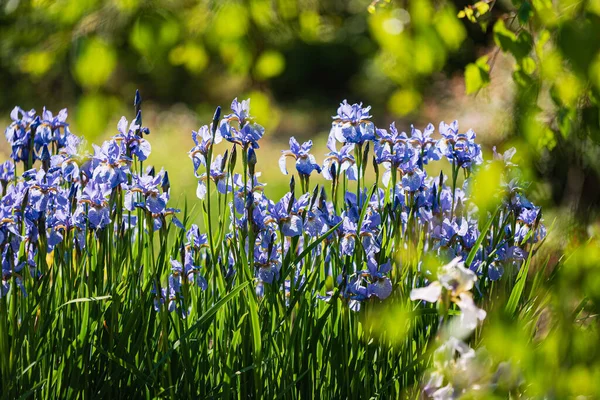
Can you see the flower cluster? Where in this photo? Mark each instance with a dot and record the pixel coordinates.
(351, 235)
(73, 198)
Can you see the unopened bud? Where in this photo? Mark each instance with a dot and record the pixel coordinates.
(137, 101)
(251, 160)
(224, 160)
(366, 155)
(322, 198)
(45, 157)
(166, 185)
(216, 117)
(375, 166)
(233, 159)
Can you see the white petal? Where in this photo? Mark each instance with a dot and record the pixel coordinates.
(282, 164)
(429, 293)
(201, 190)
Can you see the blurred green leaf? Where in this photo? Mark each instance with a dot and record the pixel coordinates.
(191, 55)
(477, 75)
(269, 64)
(519, 46)
(404, 101)
(95, 63)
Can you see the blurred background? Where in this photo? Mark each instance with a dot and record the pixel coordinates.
(523, 73)
(520, 73)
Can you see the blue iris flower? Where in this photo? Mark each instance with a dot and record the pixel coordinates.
(134, 143)
(343, 160)
(203, 140)
(112, 164)
(305, 162)
(289, 221)
(352, 125)
(246, 133)
(217, 175)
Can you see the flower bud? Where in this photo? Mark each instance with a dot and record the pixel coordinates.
(323, 199)
(224, 160)
(313, 198)
(138, 118)
(137, 101)
(166, 185)
(215, 122)
(45, 157)
(366, 155)
(375, 166)
(293, 186)
(251, 160)
(233, 158)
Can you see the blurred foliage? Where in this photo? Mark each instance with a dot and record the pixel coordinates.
(89, 52)
(556, 53)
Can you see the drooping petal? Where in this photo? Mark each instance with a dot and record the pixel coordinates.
(429, 293)
(201, 190)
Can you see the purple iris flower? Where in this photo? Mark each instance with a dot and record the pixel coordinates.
(60, 222)
(448, 230)
(429, 149)
(11, 267)
(352, 125)
(7, 172)
(186, 274)
(241, 111)
(18, 133)
(247, 134)
(289, 222)
(379, 284)
(95, 196)
(349, 232)
(314, 223)
(412, 180)
(203, 140)
(305, 162)
(253, 190)
(43, 189)
(50, 127)
(217, 175)
(268, 261)
(387, 140)
(343, 160)
(459, 148)
(113, 164)
(353, 114)
(133, 142)
(168, 296)
(145, 192)
(195, 239)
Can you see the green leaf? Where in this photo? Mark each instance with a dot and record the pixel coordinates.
(85, 299)
(314, 244)
(519, 46)
(482, 236)
(95, 63)
(202, 322)
(524, 12)
(477, 75)
(515, 295)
